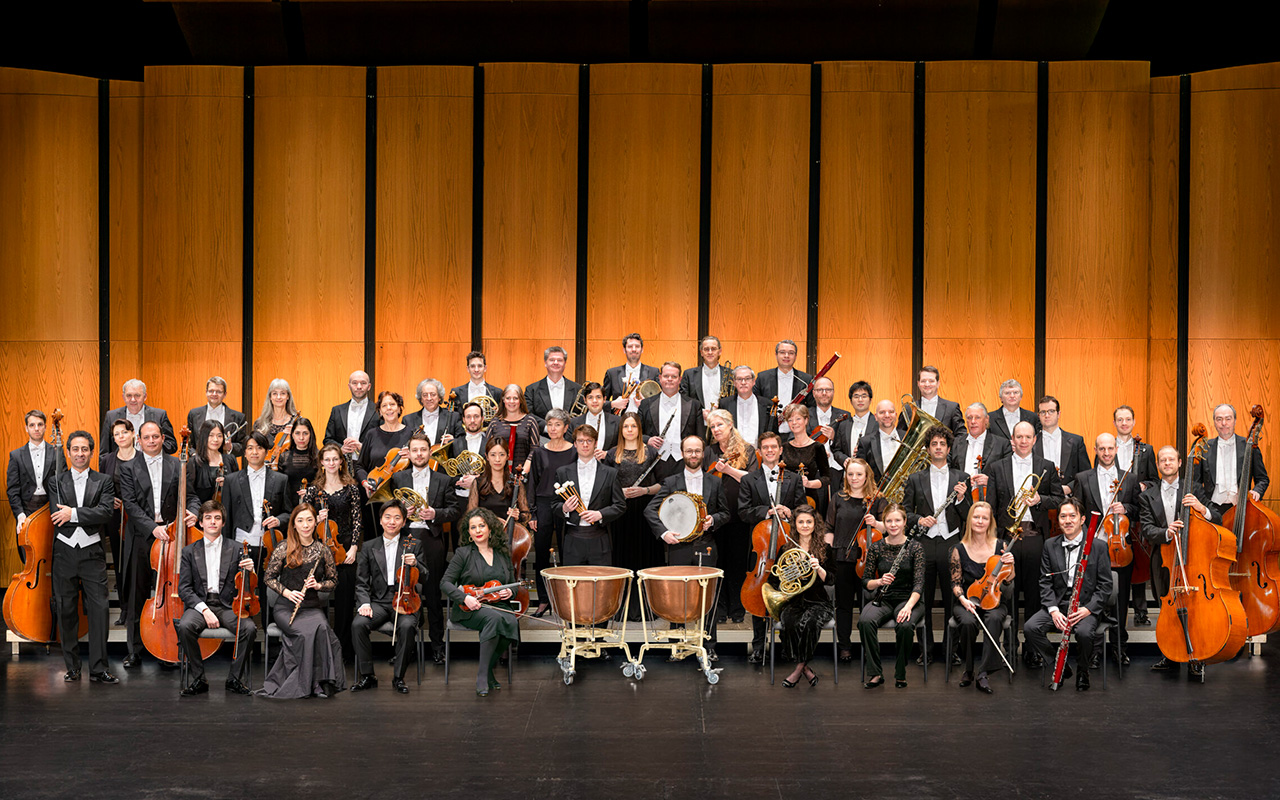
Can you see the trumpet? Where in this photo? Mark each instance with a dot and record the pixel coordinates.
(1021, 502)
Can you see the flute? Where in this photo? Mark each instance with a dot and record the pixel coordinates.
(297, 605)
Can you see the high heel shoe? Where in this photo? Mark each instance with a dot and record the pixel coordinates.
(899, 684)
(542, 611)
(813, 681)
(788, 684)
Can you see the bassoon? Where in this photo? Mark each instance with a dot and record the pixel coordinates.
(1061, 661)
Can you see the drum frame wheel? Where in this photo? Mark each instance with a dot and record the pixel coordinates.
(681, 642)
(590, 641)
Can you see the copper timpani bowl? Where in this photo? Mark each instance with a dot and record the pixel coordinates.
(676, 593)
(586, 595)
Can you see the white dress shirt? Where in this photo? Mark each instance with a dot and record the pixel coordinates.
(749, 419)
(786, 387)
(475, 441)
(693, 481)
(37, 462)
(155, 468)
(888, 447)
(596, 421)
(355, 418)
(1226, 482)
(1073, 550)
(218, 414)
(586, 481)
(389, 548)
(631, 375)
(710, 384)
(1051, 441)
(257, 491)
(212, 569)
(972, 453)
(1105, 477)
(78, 537)
(1021, 469)
(475, 390)
(669, 410)
(431, 424)
(824, 418)
(929, 405)
(858, 426)
(421, 485)
(1124, 453)
(136, 419)
(939, 477)
(771, 483)
(556, 390)
(1169, 496)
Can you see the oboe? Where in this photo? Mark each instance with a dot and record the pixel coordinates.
(1061, 661)
(649, 469)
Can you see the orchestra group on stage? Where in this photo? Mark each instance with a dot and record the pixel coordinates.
(383, 521)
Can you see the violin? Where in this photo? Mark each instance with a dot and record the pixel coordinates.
(977, 493)
(329, 530)
(222, 473)
(407, 599)
(1116, 527)
(268, 534)
(246, 603)
(765, 537)
(1257, 531)
(985, 591)
(488, 593)
(803, 472)
(390, 465)
(732, 457)
(821, 438)
(281, 442)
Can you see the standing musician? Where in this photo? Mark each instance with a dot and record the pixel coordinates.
(31, 469)
(1057, 585)
(380, 439)
(801, 451)
(1011, 411)
(136, 410)
(493, 488)
(925, 492)
(482, 556)
(512, 412)
(300, 459)
(1066, 450)
(748, 410)
(376, 587)
(784, 381)
(673, 411)
(826, 417)
(945, 411)
(215, 389)
(587, 531)
(900, 600)
(879, 446)
(759, 497)
(149, 490)
(1096, 490)
(109, 464)
(633, 373)
(977, 441)
(1219, 471)
(855, 506)
(477, 368)
(553, 391)
(1145, 476)
(969, 559)
(278, 410)
(804, 616)
(427, 526)
(440, 424)
(606, 424)
(350, 421)
(335, 493)
(207, 586)
(244, 491)
(84, 501)
(704, 383)
(211, 462)
(1158, 510)
(731, 456)
(633, 544)
(472, 438)
(547, 524)
(850, 432)
(1005, 478)
(693, 480)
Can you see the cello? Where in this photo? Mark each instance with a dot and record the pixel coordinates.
(765, 537)
(519, 540)
(161, 612)
(1257, 532)
(1201, 619)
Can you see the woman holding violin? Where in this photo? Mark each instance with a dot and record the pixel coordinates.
(278, 409)
(299, 459)
(548, 526)
(310, 660)
(482, 557)
(379, 440)
(853, 519)
(208, 470)
(634, 545)
(732, 458)
(981, 570)
(514, 412)
(335, 493)
(896, 566)
(804, 616)
(801, 451)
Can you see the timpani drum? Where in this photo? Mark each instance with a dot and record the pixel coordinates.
(683, 513)
(682, 596)
(586, 595)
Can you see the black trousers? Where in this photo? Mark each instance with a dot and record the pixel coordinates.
(78, 570)
(434, 552)
(1026, 564)
(587, 545)
(937, 577)
(344, 606)
(550, 531)
(875, 616)
(848, 591)
(140, 583)
(1037, 632)
(193, 624)
(993, 619)
(1124, 576)
(406, 632)
(733, 543)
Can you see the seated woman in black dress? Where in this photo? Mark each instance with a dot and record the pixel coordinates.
(903, 584)
(804, 615)
(335, 493)
(482, 556)
(969, 564)
(310, 660)
(211, 454)
(300, 459)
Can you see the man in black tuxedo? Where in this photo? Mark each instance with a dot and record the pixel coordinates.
(427, 526)
(828, 419)
(553, 391)
(149, 491)
(207, 586)
(477, 368)
(1128, 451)
(1159, 512)
(945, 411)
(633, 373)
(376, 586)
(1058, 566)
(215, 390)
(350, 421)
(1005, 478)
(749, 410)
(471, 438)
(605, 424)
(31, 469)
(1066, 450)
(441, 425)
(705, 382)
(925, 492)
(879, 446)
(667, 418)
(978, 447)
(1011, 412)
(587, 538)
(136, 410)
(242, 494)
(83, 504)
(1219, 471)
(760, 495)
(849, 433)
(693, 480)
(782, 383)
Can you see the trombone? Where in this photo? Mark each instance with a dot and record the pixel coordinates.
(1021, 502)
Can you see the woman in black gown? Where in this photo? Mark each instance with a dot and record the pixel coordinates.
(801, 450)
(969, 564)
(207, 471)
(492, 490)
(379, 440)
(634, 545)
(804, 615)
(731, 456)
(482, 556)
(856, 505)
(300, 460)
(339, 498)
(547, 521)
(514, 412)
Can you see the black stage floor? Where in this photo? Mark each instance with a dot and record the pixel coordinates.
(671, 735)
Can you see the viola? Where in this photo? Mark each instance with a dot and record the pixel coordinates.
(821, 438)
(765, 537)
(732, 456)
(390, 465)
(489, 592)
(246, 603)
(977, 493)
(407, 599)
(985, 591)
(329, 530)
(803, 472)
(864, 540)
(268, 534)
(1256, 574)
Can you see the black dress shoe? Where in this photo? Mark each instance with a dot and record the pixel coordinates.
(756, 657)
(1034, 660)
(103, 677)
(398, 685)
(1066, 671)
(983, 685)
(737, 617)
(1082, 681)
(1095, 660)
(542, 610)
(846, 654)
(131, 661)
(966, 680)
(1196, 670)
(1164, 665)
(722, 618)
(119, 623)
(711, 655)
(1122, 658)
(1141, 618)
(956, 660)
(199, 686)
(437, 655)
(235, 686)
(365, 682)
(327, 689)
(71, 676)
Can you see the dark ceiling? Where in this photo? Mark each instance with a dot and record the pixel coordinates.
(117, 38)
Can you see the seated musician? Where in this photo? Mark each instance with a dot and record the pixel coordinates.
(804, 615)
(1058, 566)
(207, 586)
(483, 556)
(377, 582)
(969, 564)
(335, 493)
(900, 601)
(587, 538)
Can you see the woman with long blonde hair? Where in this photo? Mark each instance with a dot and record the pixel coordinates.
(968, 564)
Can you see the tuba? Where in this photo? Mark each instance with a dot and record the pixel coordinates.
(795, 575)
(912, 455)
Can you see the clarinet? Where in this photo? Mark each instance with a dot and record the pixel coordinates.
(893, 570)
(650, 468)
(1061, 660)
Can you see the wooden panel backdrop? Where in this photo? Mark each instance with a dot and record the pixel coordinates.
(979, 227)
(192, 206)
(530, 217)
(642, 231)
(1162, 282)
(308, 233)
(1098, 237)
(125, 176)
(48, 261)
(1235, 241)
(866, 207)
(424, 226)
(759, 210)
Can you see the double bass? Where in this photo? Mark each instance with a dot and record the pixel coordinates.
(1201, 618)
(765, 537)
(1257, 532)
